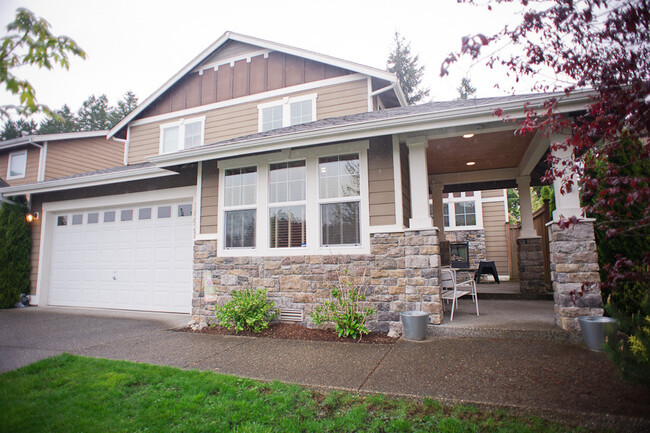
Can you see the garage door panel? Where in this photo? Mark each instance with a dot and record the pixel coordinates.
(143, 264)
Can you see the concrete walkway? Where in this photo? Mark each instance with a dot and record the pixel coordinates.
(558, 380)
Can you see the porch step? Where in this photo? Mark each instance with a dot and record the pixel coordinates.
(516, 296)
(557, 335)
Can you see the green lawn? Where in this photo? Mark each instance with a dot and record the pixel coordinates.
(77, 394)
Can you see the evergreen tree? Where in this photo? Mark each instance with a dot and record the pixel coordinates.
(466, 90)
(15, 245)
(18, 128)
(403, 64)
(123, 108)
(62, 120)
(94, 114)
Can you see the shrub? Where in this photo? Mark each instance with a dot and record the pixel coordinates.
(345, 310)
(249, 310)
(15, 245)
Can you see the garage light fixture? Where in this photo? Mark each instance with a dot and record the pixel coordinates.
(470, 163)
(468, 135)
(31, 217)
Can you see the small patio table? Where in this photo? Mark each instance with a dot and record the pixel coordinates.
(487, 268)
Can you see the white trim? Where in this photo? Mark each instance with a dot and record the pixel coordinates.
(370, 107)
(477, 199)
(86, 181)
(13, 155)
(42, 159)
(127, 145)
(48, 221)
(505, 204)
(180, 124)
(286, 103)
(388, 228)
(364, 129)
(250, 98)
(355, 67)
(397, 182)
(231, 60)
(312, 213)
(50, 137)
(492, 199)
(535, 151)
(198, 199)
(33, 300)
(206, 237)
(419, 183)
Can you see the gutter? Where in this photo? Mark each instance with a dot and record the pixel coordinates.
(363, 129)
(87, 181)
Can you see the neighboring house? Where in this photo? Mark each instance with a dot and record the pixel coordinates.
(264, 165)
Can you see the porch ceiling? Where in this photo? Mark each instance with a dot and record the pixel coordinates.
(489, 150)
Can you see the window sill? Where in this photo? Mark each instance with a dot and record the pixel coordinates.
(283, 252)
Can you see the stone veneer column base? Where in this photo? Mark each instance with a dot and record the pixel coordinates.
(531, 265)
(401, 273)
(574, 261)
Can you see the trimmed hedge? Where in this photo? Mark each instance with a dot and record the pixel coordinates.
(15, 245)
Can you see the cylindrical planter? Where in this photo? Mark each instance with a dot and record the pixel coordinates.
(415, 324)
(595, 329)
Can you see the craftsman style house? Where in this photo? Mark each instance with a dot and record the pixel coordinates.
(264, 165)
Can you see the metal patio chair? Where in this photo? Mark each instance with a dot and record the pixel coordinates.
(452, 290)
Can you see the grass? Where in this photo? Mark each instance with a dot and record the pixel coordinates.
(70, 393)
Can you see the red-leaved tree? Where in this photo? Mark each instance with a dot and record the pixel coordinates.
(602, 46)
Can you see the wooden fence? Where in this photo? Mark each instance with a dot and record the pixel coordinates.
(540, 218)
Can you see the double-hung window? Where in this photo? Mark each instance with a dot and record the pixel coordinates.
(339, 199)
(461, 211)
(287, 112)
(17, 166)
(287, 205)
(182, 134)
(240, 204)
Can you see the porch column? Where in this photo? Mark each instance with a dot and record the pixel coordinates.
(567, 203)
(419, 177)
(529, 244)
(574, 259)
(438, 213)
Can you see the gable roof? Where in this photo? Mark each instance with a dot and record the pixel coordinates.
(35, 138)
(232, 36)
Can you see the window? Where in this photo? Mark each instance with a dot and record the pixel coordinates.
(109, 217)
(465, 213)
(62, 221)
(184, 210)
(77, 219)
(287, 112)
(461, 211)
(17, 165)
(240, 200)
(93, 218)
(182, 134)
(126, 215)
(445, 214)
(164, 212)
(339, 194)
(295, 202)
(287, 182)
(144, 213)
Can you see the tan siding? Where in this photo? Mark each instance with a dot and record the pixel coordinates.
(209, 197)
(36, 247)
(68, 157)
(242, 119)
(31, 169)
(381, 184)
(496, 242)
(490, 193)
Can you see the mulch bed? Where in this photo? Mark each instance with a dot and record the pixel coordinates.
(294, 331)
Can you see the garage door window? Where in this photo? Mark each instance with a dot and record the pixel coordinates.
(144, 213)
(109, 216)
(62, 221)
(126, 215)
(93, 218)
(184, 210)
(77, 219)
(164, 212)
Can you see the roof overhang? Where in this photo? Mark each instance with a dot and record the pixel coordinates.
(127, 175)
(413, 124)
(232, 36)
(35, 139)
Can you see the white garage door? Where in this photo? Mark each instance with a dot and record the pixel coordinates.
(132, 257)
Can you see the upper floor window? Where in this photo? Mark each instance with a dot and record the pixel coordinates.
(182, 134)
(17, 165)
(287, 112)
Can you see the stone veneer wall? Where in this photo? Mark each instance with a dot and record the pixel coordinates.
(574, 261)
(401, 273)
(475, 240)
(531, 265)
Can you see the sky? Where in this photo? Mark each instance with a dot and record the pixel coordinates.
(137, 45)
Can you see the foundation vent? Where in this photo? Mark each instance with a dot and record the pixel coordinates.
(291, 315)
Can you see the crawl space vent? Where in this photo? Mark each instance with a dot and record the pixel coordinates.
(291, 315)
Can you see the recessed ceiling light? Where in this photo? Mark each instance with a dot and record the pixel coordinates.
(468, 135)
(470, 163)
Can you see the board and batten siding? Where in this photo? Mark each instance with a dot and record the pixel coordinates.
(31, 169)
(496, 237)
(68, 157)
(209, 197)
(381, 181)
(242, 119)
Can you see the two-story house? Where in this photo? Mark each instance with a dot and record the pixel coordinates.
(268, 166)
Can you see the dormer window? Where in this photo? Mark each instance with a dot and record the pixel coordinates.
(17, 166)
(182, 134)
(288, 111)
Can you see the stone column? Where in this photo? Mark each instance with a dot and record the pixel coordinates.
(574, 262)
(419, 177)
(529, 244)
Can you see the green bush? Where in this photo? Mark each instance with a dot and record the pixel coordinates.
(249, 310)
(345, 310)
(15, 245)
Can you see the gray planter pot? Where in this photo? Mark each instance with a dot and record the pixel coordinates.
(595, 329)
(415, 324)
